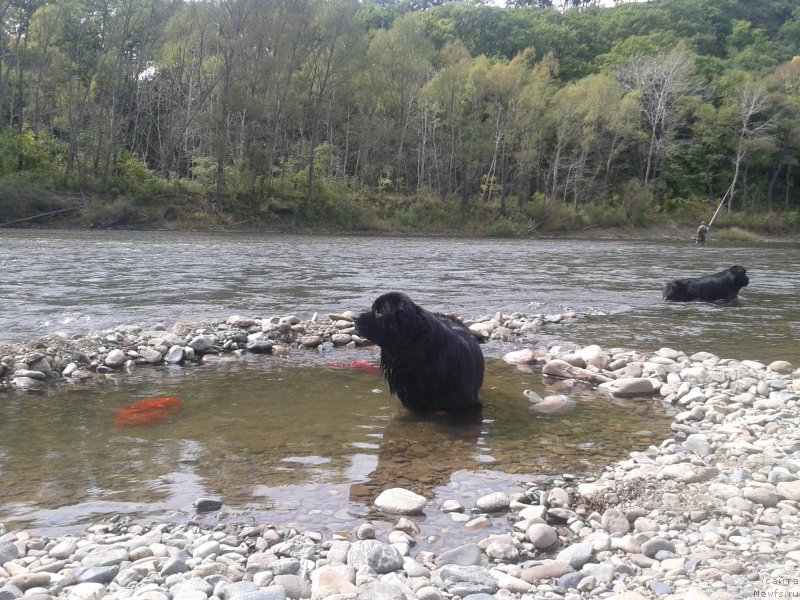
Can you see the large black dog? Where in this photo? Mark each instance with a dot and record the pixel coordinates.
(724, 285)
(430, 360)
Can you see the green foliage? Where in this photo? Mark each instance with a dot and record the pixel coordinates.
(552, 215)
(636, 202)
(735, 234)
(23, 195)
(424, 215)
(423, 115)
(502, 228)
(28, 152)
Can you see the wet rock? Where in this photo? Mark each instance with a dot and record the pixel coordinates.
(628, 386)
(202, 344)
(553, 404)
(521, 357)
(563, 370)
(400, 501)
(207, 504)
(494, 502)
(260, 346)
(174, 355)
(115, 358)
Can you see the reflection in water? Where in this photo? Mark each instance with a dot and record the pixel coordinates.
(288, 441)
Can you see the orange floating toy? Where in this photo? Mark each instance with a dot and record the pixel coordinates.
(146, 412)
(360, 365)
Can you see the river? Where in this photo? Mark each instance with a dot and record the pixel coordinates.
(301, 442)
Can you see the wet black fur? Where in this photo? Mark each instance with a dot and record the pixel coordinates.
(724, 285)
(431, 361)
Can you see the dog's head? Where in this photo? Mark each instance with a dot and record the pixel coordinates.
(738, 276)
(675, 291)
(393, 322)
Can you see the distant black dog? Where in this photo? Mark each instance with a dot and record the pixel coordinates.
(430, 360)
(724, 285)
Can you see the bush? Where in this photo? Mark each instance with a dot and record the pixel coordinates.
(424, 215)
(503, 228)
(735, 234)
(552, 215)
(636, 202)
(24, 195)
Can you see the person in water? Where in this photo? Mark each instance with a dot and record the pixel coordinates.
(700, 236)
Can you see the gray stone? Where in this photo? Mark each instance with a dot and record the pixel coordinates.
(295, 586)
(378, 590)
(761, 495)
(569, 581)
(466, 555)
(174, 355)
(202, 344)
(86, 591)
(236, 590)
(8, 552)
(380, 557)
(699, 444)
(541, 535)
(660, 588)
(10, 592)
(628, 386)
(615, 521)
(576, 555)
(260, 347)
(207, 504)
(105, 556)
(789, 490)
(206, 549)
(151, 355)
(95, 574)
(64, 548)
(175, 564)
(115, 358)
(465, 580)
(654, 545)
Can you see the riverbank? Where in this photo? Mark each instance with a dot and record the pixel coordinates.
(397, 214)
(713, 511)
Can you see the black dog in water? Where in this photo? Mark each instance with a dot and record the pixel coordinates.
(430, 360)
(724, 285)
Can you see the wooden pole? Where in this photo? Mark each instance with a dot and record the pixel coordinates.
(721, 202)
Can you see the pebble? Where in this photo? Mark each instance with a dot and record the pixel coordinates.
(712, 512)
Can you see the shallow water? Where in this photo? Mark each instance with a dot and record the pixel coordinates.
(293, 441)
(290, 441)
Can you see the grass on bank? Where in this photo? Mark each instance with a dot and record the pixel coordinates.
(135, 198)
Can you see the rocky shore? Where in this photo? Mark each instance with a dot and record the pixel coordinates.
(712, 512)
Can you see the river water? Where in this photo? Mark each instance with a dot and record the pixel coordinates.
(302, 442)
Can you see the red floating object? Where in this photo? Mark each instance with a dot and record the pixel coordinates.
(146, 412)
(360, 365)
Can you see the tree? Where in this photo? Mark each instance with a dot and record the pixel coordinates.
(661, 81)
(751, 123)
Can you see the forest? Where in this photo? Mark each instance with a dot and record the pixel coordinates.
(399, 115)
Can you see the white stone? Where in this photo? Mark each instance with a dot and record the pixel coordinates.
(400, 501)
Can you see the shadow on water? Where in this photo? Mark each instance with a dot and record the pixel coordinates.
(290, 443)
